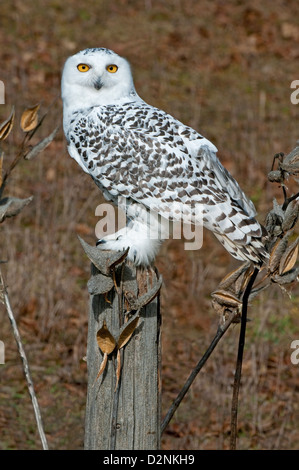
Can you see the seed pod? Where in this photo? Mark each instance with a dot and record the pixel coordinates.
(277, 253)
(226, 298)
(289, 258)
(275, 176)
(6, 126)
(29, 118)
(105, 340)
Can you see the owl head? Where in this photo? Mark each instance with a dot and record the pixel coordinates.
(96, 77)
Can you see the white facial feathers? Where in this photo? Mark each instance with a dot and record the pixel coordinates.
(95, 77)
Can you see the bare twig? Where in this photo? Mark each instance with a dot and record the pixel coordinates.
(15, 161)
(238, 372)
(220, 332)
(25, 364)
(288, 200)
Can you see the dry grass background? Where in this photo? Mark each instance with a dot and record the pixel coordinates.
(224, 68)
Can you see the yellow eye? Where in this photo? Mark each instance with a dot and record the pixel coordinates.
(83, 67)
(112, 68)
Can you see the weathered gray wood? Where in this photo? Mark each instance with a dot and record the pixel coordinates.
(127, 417)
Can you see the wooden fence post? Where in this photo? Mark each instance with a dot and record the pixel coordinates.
(123, 409)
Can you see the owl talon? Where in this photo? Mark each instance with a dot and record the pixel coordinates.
(101, 242)
(134, 254)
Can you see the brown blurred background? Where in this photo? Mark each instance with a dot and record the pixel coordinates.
(224, 68)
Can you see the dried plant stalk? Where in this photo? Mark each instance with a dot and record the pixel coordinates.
(26, 368)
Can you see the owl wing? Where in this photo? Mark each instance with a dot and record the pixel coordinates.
(168, 168)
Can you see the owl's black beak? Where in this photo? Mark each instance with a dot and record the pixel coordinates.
(98, 84)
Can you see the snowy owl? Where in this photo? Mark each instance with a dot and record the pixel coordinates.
(151, 160)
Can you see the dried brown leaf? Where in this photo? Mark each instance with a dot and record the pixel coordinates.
(127, 332)
(105, 340)
(226, 298)
(29, 118)
(6, 126)
(118, 368)
(102, 366)
(289, 258)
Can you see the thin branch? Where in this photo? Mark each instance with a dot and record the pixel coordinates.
(220, 332)
(25, 364)
(238, 372)
(18, 157)
(288, 200)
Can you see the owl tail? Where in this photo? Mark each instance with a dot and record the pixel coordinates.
(254, 251)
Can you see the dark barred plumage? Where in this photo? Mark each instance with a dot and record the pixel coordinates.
(139, 152)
